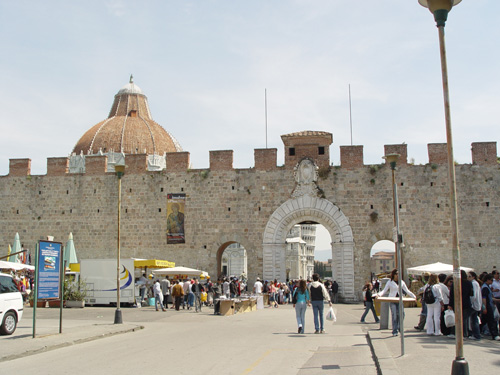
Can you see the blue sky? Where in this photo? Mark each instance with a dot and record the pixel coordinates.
(204, 66)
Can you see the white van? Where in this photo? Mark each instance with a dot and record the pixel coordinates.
(11, 305)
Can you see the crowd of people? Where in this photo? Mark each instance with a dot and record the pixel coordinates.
(191, 294)
(480, 303)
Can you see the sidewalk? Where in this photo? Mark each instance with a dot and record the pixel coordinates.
(429, 354)
(349, 347)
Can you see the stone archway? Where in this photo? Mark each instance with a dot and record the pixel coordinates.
(322, 211)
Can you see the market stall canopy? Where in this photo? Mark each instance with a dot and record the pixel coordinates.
(153, 263)
(436, 268)
(15, 266)
(178, 271)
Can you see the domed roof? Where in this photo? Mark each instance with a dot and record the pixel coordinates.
(129, 128)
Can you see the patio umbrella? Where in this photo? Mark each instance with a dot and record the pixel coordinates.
(181, 271)
(16, 247)
(15, 266)
(436, 268)
(70, 252)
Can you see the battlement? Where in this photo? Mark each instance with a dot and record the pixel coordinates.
(351, 157)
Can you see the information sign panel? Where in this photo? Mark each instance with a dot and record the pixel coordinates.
(49, 270)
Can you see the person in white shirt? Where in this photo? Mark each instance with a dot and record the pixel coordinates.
(477, 302)
(158, 295)
(393, 289)
(435, 308)
(445, 293)
(257, 287)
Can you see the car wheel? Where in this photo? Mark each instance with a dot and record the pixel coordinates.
(9, 323)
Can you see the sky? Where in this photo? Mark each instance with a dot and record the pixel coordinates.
(323, 248)
(205, 66)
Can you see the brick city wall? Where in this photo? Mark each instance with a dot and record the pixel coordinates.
(228, 204)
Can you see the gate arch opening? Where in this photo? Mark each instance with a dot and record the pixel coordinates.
(307, 209)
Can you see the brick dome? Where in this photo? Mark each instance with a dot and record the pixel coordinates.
(129, 128)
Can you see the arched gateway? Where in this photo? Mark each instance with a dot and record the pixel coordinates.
(311, 209)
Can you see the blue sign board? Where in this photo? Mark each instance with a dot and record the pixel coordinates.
(49, 270)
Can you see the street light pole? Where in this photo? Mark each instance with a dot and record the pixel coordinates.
(120, 170)
(392, 160)
(440, 10)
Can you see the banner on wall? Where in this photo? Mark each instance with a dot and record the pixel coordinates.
(175, 218)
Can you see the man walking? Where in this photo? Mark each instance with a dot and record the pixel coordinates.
(318, 295)
(335, 291)
(158, 295)
(217, 291)
(197, 289)
(257, 287)
(177, 294)
(165, 289)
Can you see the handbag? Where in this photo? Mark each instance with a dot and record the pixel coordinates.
(294, 297)
(496, 315)
(331, 315)
(449, 318)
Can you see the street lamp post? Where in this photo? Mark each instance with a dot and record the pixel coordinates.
(392, 159)
(440, 10)
(119, 170)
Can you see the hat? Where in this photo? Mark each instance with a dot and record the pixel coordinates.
(258, 278)
(427, 273)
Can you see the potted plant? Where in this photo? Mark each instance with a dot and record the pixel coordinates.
(75, 293)
(31, 300)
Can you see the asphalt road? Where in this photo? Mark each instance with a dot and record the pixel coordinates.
(185, 342)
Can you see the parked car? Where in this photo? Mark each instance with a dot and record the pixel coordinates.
(11, 305)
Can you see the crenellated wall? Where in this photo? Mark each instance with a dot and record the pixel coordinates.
(230, 204)
(351, 157)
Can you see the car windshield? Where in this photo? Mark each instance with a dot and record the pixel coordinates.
(7, 285)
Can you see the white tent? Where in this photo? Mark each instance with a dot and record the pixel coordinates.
(436, 268)
(181, 271)
(15, 266)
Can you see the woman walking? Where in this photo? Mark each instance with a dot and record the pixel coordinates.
(434, 300)
(301, 300)
(393, 289)
(369, 303)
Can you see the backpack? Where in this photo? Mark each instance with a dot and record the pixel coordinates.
(429, 296)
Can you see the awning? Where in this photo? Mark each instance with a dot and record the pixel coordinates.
(153, 263)
(436, 268)
(180, 271)
(15, 266)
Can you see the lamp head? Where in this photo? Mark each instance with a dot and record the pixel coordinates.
(392, 159)
(440, 8)
(119, 170)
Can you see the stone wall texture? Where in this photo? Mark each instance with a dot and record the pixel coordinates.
(225, 205)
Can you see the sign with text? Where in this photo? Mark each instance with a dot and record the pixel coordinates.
(49, 269)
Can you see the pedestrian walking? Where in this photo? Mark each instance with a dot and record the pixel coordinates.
(392, 288)
(301, 299)
(197, 289)
(177, 294)
(319, 294)
(165, 289)
(158, 295)
(369, 303)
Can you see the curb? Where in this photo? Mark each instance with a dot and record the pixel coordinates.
(68, 343)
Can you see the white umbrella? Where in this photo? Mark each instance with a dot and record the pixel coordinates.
(436, 268)
(15, 266)
(178, 271)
